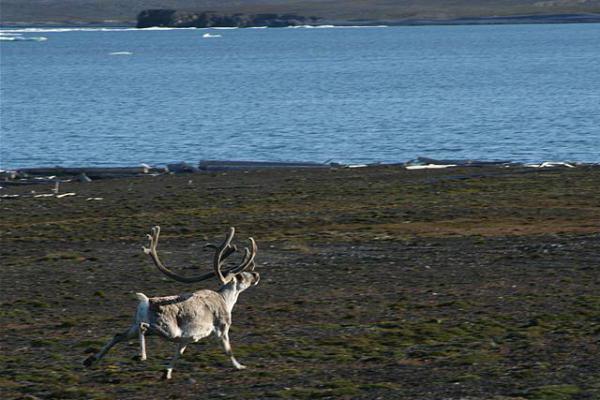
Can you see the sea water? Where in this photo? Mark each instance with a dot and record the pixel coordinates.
(94, 97)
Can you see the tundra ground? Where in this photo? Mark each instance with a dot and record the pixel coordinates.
(466, 283)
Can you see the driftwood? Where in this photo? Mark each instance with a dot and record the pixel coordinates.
(91, 172)
(50, 175)
(214, 165)
(181, 167)
(462, 163)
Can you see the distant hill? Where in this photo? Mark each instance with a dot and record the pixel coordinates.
(124, 12)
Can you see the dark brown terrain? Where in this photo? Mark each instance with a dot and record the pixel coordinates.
(464, 283)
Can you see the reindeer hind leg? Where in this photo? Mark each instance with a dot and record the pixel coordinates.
(142, 336)
(119, 337)
(180, 349)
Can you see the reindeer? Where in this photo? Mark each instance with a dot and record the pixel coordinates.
(187, 318)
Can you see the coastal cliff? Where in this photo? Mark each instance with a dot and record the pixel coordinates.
(208, 19)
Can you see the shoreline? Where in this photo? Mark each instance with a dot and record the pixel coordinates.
(376, 183)
(279, 163)
(525, 19)
(38, 175)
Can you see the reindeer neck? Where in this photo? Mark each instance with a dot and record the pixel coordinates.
(230, 295)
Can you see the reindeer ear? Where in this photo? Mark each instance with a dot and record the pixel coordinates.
(229, 278)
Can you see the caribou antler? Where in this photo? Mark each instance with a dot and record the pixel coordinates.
(221, 253)
(153, 253)
(219, 257)
(248, 259)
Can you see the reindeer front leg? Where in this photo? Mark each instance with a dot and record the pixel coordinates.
(227, 348)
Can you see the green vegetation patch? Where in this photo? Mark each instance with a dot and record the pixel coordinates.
(553, 392)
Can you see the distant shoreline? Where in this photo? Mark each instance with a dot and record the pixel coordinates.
(44, 175)
(170, 18)
(486, 20)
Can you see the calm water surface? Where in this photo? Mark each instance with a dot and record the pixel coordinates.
(519, 92)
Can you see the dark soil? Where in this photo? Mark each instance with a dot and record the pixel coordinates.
(466, 283)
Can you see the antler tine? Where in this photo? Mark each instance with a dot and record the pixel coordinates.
(248, 258)
(245, 259)
(153, 253)
(152, 240)
(229, 251)
(224, 248)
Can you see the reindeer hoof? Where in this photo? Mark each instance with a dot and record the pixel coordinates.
(89, 361)
(166, 375)
(138, 358)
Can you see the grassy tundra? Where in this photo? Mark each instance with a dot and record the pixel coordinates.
(478, 283)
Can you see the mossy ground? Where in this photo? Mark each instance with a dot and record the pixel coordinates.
(378, 282)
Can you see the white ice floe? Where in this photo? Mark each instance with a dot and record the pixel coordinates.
(15, 31)
(335, 26)
(61, 30)
(311, 26)
(361, 26)
(210, 35)
(94, 198)
(48, 30)
(121, 53)
(18, 38)
(548, 164)
(158, 28)
(146, 167)
(430, 166)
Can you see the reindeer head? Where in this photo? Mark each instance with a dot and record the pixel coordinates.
(244, 280)
(236, 275)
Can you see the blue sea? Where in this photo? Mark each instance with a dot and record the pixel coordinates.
(121, 97)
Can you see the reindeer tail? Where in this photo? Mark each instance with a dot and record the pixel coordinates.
(142, 308)
(142, 297)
